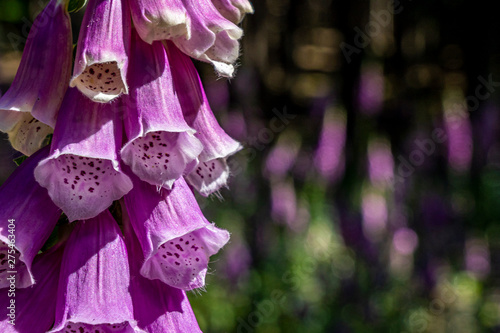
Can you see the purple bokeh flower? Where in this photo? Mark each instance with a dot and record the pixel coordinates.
(329, 157)
(28, 110)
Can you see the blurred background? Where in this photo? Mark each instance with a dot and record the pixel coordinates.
(367, 198)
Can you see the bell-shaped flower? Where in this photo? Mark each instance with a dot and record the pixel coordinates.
(82, 173)
(176, 239)
(158, 308)
(32, 310)
(212, 171)
(161, 144)
(102, 51)
(158, 20)
(28, 110)
(93, 294)
(195, 26)
(27, 219)
(233, 10)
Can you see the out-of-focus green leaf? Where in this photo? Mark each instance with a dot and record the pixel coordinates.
(76, 5)
(11, 10)
(20, 160)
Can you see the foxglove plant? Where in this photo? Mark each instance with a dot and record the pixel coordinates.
(131, 126)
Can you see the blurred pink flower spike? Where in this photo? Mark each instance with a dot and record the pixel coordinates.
(329, 158)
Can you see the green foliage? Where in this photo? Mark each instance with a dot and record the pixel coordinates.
(76, 5)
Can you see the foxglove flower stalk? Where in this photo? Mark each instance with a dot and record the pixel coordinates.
(195, 26)
(93, 293)
(34, 217)
(34, 307)
(158, 308)
(161, 144)
(175, 237)
(233, 10)
(102, 52)
(212, 171)
(82, 173)
(28, 110)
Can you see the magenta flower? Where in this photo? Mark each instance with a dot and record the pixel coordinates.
(36, 305)
(196, 27)
(233, 10)
(28, 110)
(102, 52)
(158, 308)
(34, 217)
(212, 171)
(161, 133)
(161, 144)
(175, 237)
(93, 293)
(82, 173)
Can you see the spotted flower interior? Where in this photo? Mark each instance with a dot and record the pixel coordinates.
(102, 81)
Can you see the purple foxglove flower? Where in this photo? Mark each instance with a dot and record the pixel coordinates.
(459, 134)
(175, 237)
(28, 217)
(102, 52)
(195, 26)
(158, 308)
(233, 10)
(93, 294)
(82, 173)
(34, 307)
(158, 20)
(212, 171)
(161, 144)
(28, 134)
(283, 202)
(329, 157)
(29, 108)
(380, 163)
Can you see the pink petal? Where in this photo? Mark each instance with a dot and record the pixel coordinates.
(82, 173)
